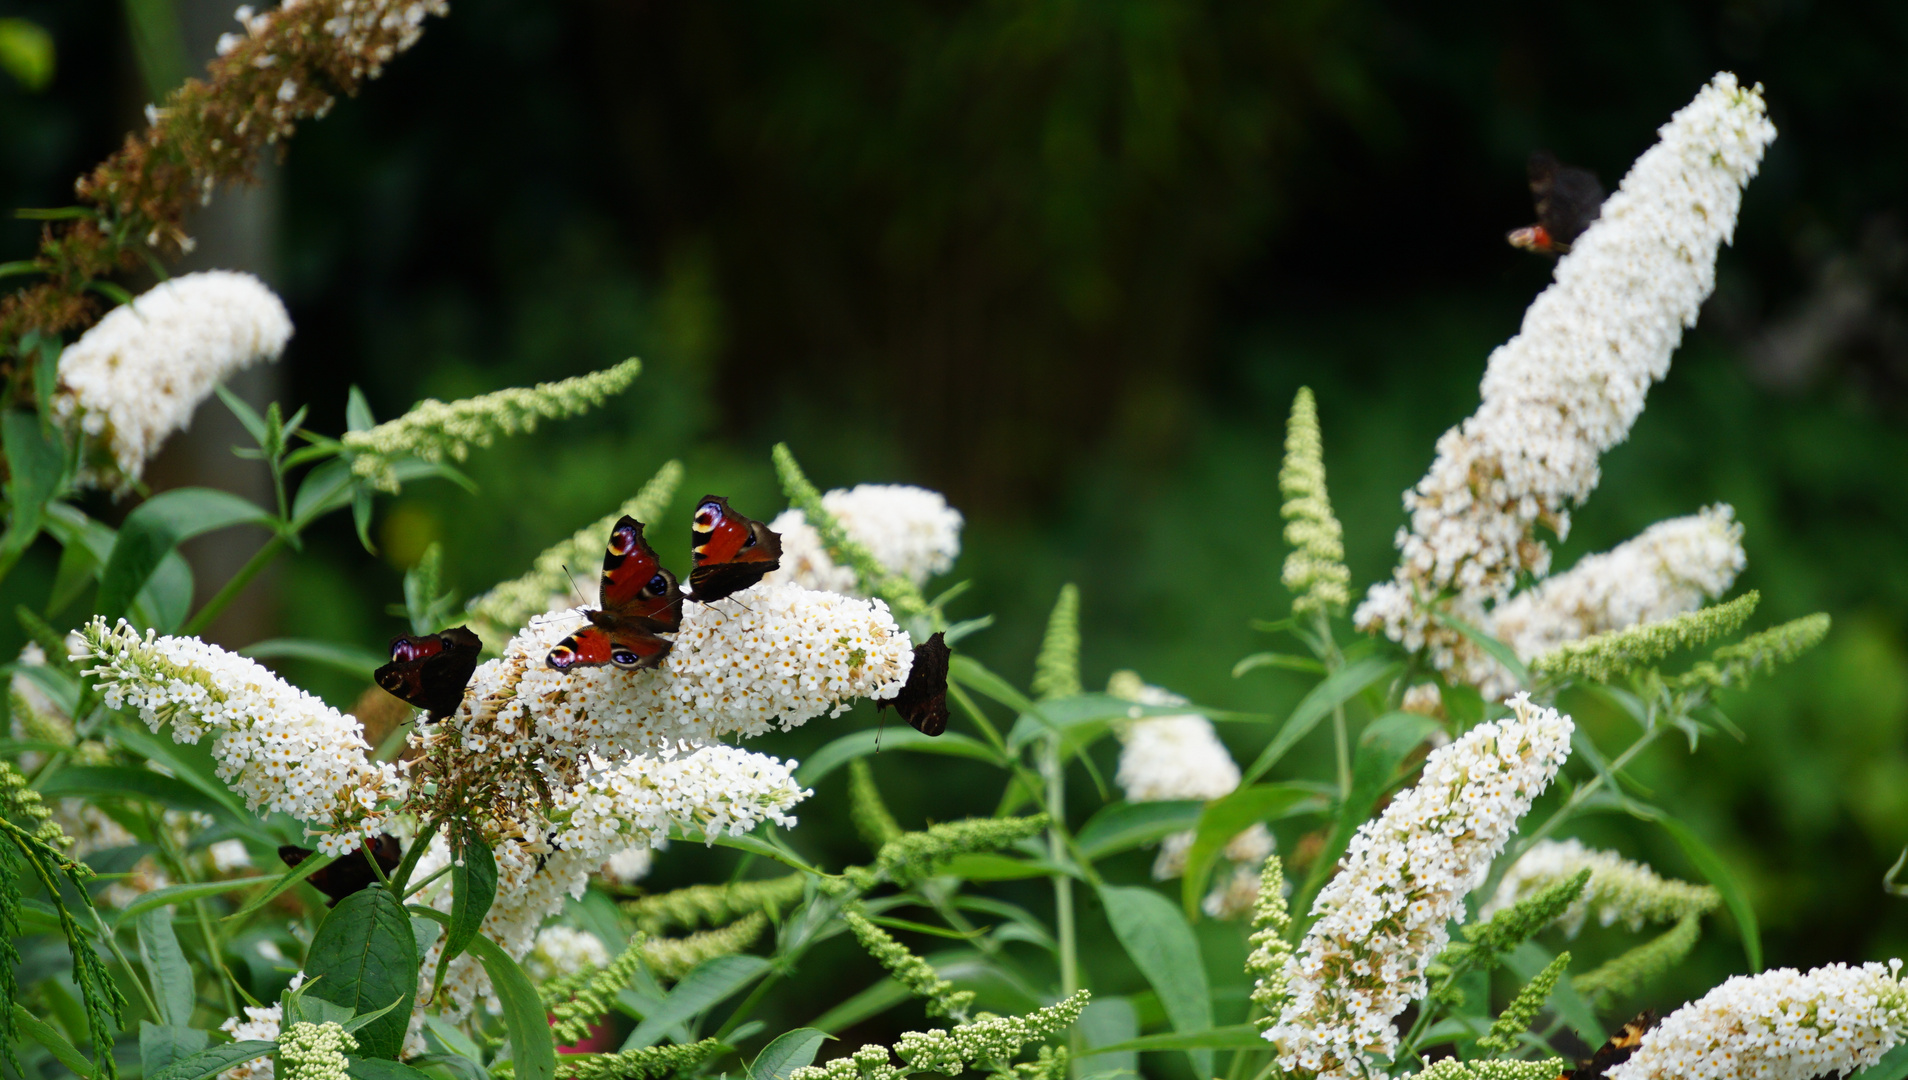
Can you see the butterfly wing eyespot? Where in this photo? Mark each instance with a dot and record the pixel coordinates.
(629, 644)
(731, 550)
(431, 672)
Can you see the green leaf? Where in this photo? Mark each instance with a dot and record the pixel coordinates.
(1226, 817)
(160, 1046)
(1234, 1037)
(1278, 660)
(349, 659)
(1382, 747)
(248, 417)
(1717, 872)
(1161, 944)
(155, 528)
(532, 1048)
(369, 1068)
(166, 968)
(358, 411)
(127, 782)
(473, 889)
(1892, 1066)
(179, 894)
(712, 982)
(1123, 826)
(1498, 651)
(1108, 1021)
(216, 1060)
(363, 957)
(190, 763)
(972, 674)
(1336, 689)
(789, 1051)
(308, 866)
(43, 1033)
(1084, 717)
(863, 743)
(35, 460)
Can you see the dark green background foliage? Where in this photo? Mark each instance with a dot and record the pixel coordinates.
(1067, 262)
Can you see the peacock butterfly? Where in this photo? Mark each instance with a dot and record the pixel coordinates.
(431, 671)
(1616, 1051)
(732, 552)
(640, 602)
(350, 873)
(923, 700)
(1568, 199)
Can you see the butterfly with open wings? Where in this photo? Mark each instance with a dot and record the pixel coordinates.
(640, 602)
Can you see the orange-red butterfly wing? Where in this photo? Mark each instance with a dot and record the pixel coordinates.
(731, 551)
(635, 582)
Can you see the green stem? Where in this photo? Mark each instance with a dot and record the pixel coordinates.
(259, 561)
(1055, 768)
(428, 878)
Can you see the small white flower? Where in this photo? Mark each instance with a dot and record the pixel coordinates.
(229, 855)
(561, 950)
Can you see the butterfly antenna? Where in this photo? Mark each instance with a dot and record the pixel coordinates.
(573, 588)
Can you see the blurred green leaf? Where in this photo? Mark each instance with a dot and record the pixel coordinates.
(1121, 826)
(1227, 816)
(26, 52)
(863, 743)
(1161, 944)
(157, 526)
(1337, 688)
(166, 968)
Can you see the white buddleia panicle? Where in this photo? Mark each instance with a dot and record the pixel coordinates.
(1385, 916)
(630, 865)
(1181, 757)
(1670, 569)
(771, 656)
(1569, 386)
(1619, 890)
(277, 746)
(1780, 1025)
(138, 375)
(909, 530)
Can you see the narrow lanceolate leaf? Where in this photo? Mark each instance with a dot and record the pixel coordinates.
(526, 1023)
(1225, 818)
(48, 1036)
(1337, 688)
(156, 527)
(166, 967)
(364, 958)
(214, 1061)
(1162, 946)
(1123, 826)
(473, 889)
